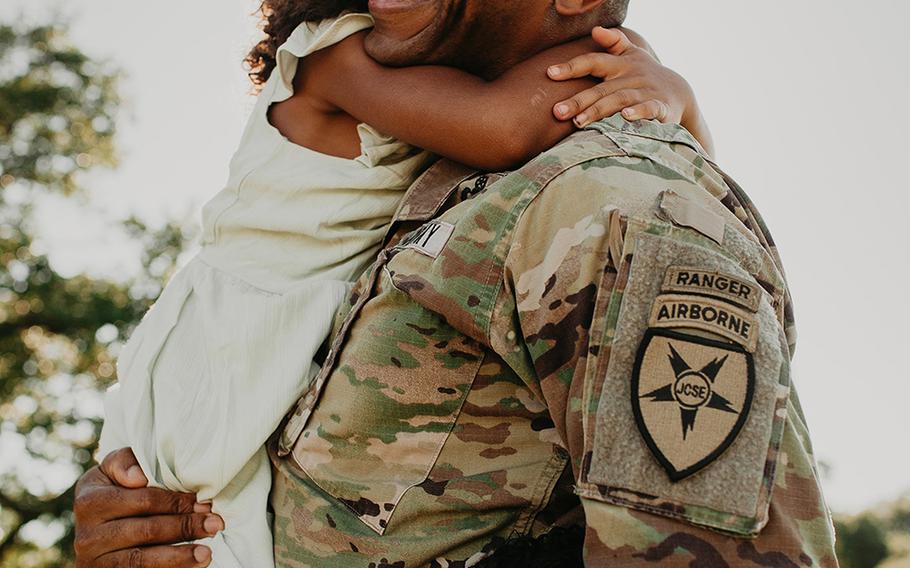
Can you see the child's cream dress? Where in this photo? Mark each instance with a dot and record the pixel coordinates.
(228, 347)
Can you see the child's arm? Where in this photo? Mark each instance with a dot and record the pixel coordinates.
(490, 125)
(632, 82)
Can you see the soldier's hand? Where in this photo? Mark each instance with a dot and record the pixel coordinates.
(122, 523)
(634, 83)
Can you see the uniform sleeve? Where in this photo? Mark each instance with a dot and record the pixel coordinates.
(685, 436)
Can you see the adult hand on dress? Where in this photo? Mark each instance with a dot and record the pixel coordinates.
(122, 523)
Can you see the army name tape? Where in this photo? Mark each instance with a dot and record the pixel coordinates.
(711, 283)
(429, 239)
(678, 310)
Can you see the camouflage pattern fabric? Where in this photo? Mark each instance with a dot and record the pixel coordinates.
(478, 387)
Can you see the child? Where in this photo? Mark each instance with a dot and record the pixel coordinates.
(230, 344)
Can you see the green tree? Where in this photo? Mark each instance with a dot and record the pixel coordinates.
(861, 542)
(59, 336)
(899, 517)
(57, 109)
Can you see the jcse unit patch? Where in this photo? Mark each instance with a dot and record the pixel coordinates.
(691, 397)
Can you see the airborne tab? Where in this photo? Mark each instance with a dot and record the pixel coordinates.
(683, 310)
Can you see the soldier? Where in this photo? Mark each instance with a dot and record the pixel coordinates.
(597, 343)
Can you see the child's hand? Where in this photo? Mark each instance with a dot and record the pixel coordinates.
(634, 82)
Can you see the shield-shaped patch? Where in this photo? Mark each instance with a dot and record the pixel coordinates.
(691, 397)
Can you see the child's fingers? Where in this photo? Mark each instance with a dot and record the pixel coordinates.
(612, 39)
(600, 65)
(607, 106)
(648, 110)
(569, 108)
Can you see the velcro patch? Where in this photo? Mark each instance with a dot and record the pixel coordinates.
(706, 314)
(712, 283)
(690, 398)
(686, 213)
(429, 239)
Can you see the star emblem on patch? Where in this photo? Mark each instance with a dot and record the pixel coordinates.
(691, 397)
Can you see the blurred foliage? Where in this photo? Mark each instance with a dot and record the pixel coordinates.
(57, 108)
(878, 537)
(861, 542)
(59, 336)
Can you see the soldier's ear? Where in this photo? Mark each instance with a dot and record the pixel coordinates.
(576, 7)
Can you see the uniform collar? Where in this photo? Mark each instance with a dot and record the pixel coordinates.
(430, 191)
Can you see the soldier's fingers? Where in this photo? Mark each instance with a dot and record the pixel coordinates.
(184, 556)
(648, 110)
(159, 529)
(118, 503)
(601, 65)
(612, 39)
(122, 468)
(90, 480)
(608, 106)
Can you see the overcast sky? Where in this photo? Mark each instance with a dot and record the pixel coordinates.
(808, 104)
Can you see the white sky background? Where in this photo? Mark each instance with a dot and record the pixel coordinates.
(808, 102)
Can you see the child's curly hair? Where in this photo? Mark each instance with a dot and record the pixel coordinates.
(280, 18)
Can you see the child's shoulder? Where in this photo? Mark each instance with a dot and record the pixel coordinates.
(310, 37)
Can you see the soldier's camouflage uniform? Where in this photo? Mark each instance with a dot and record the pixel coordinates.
(479, 387)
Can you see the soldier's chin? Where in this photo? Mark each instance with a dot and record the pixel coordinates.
(419, 48)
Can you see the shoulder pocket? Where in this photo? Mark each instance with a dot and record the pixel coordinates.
(690, 385)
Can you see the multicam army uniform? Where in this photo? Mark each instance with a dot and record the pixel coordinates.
(601, 338)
